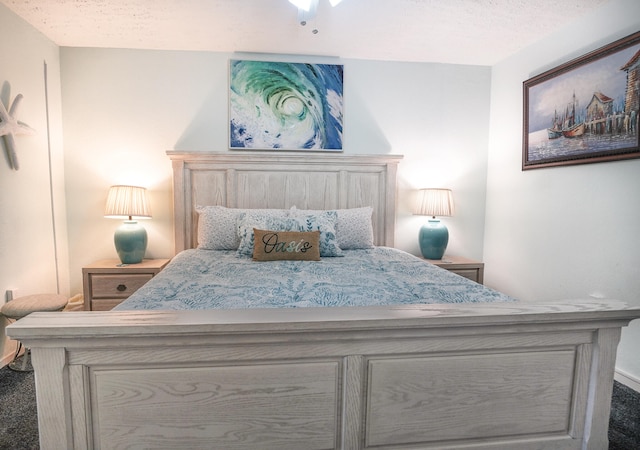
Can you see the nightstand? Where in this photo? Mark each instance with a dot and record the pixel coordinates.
(468, 268)
(107, 283)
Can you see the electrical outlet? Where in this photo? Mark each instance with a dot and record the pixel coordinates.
(11, 294)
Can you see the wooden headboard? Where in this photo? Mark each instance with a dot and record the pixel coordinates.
(282, 180)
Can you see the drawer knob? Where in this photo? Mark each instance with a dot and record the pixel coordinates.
(121, 288)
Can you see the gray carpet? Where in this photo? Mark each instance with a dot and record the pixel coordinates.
(624, 424)
(19, 423)
(18, 414)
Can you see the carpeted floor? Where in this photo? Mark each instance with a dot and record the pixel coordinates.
(19, 423)
(624, 425)
(18, 414)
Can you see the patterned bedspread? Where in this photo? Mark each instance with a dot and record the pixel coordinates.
(217, 279)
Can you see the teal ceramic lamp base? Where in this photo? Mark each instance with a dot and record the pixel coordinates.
(130, 239)
(433, 239)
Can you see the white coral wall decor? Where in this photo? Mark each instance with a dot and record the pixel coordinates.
(11, 126)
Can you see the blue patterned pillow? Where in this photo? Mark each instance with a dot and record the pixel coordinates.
(354, 228)
(245, 223)
(325, 222)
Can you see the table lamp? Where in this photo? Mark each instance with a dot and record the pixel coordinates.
(130, 238)
(434, 236)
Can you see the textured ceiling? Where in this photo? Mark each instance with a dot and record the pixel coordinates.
(480, 32)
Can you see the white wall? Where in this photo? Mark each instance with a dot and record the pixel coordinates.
(123, 109)
(563, 232)
(27, 246)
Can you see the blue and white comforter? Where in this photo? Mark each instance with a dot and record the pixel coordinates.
(216, 279)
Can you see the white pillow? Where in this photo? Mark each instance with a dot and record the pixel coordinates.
(217, 225)
(354, 228)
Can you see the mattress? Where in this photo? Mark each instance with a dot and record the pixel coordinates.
(219, 279)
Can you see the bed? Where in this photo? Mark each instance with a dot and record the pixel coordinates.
(498, 374)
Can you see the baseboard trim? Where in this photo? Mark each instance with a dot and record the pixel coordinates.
(627, 379)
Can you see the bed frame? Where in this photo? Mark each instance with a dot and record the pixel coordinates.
(493, 376)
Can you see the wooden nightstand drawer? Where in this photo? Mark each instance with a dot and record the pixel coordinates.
(471, 274)
(117, 286)
(108, 283)
(105, 304)
(468, 268)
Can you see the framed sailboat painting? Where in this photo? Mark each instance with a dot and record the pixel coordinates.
(586, 110)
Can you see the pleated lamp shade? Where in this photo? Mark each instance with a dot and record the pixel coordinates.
(130, 238)
(434, 235)
(127, 201)
(434, 202)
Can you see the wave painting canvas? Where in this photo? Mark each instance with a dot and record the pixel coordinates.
(285, 106)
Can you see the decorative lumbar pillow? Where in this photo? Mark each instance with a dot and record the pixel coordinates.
(272, 245)
(324, 222)
(217, 225)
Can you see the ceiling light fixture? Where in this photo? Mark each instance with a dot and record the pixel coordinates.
(302, 4)
(307, 10)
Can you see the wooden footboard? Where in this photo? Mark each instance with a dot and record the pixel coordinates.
(494, 376)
